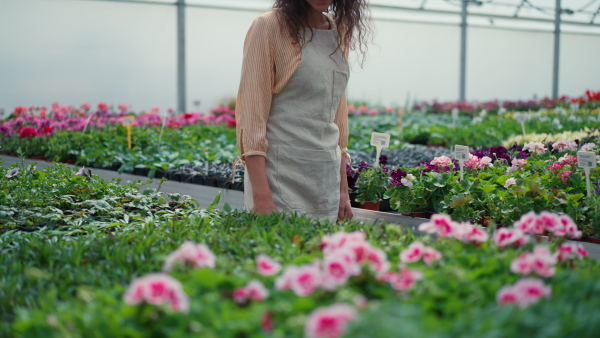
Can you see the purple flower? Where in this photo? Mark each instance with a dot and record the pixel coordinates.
(12, 173)
(383, 160)
(363, 166)
(398, 175)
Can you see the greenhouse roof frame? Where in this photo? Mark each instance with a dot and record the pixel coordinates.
(540, 14)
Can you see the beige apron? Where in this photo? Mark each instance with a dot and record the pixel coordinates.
(303, 159)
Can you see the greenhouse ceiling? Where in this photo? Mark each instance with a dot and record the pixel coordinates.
(577, 16)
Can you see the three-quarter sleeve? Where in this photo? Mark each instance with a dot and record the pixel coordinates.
(341, 120)
(256, 90)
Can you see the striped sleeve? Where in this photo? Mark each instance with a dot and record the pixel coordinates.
(256, 90)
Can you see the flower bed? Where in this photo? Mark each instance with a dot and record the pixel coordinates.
(290, 276)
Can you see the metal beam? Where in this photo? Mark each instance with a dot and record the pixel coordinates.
(556, 66)
(463, 51)
(181, 83)
(595, 15)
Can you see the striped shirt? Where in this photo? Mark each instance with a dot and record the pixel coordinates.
(270, 60)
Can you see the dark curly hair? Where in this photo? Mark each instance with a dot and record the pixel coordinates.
(351, 17)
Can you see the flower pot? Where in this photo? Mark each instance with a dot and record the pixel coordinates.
(592, 240)
(370, 205)
(418, 214)
(353, 202)
(385, 205)
(198, 179)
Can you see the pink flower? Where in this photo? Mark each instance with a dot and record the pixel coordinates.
(549, 220)
(102, 106)
(157, 289)
(339, 239)
(570, 250)
(254, 290)
(541, 262)
(402, 280)
(588, 147)
(377, 259)
(530, 223)
(509, 182)
(413, 253)
(329, 322)
(469, 233)
(535, 147)
(566, 145)
(516, 165)
(442, 161)
(284, 282)
(267, 266)
(504, 237)
(431, 255)
(338, 267)
(123, 107)
(199, 255)
(306, 280)
(441, 224)
(567, 227)
(568, 159)
(524, 292)
(86, 106)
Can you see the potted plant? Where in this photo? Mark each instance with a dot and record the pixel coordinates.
(371, 186)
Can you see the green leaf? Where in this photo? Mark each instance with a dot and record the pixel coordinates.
(215, 202)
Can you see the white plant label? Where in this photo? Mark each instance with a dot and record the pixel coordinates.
(380, 141)
(455, 113)
(162, 128)
(587, 161)
(521, 118)
(461, 153)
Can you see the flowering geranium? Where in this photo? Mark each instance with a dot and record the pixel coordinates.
(470, 233)
(509, 182)
(440, 224)
(570, 250)
(157, 289)
(442, 161)
(400, 177)
(535, 148)
(516, 165)
(564, 145)
(504, 237)
(267, 266)
(28, 132)
(541, 262)
(475, 162)
(254, 290)
(402, 280)
(417, 251)
(329, 322)
(198, 255)
(524, 292)
(302, 280)
(588, 147)
(566, 227)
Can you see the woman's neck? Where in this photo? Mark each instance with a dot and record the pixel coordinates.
(317, 20)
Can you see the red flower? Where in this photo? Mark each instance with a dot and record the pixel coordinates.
(28, 131)
(231, 123)
(267, 321)
(47, 130)
(102, 106)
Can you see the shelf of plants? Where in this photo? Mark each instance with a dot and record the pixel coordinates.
(82, 256)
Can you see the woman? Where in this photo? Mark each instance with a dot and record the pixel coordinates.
(292, 126)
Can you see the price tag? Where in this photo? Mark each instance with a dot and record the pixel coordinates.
(461, 153)
(128, 121)
(587, 161)
(380, 141)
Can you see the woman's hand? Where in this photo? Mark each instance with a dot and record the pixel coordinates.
(264, 205)
(345, 212)
(261, 193)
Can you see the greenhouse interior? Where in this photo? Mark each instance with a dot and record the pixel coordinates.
(171, 168)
